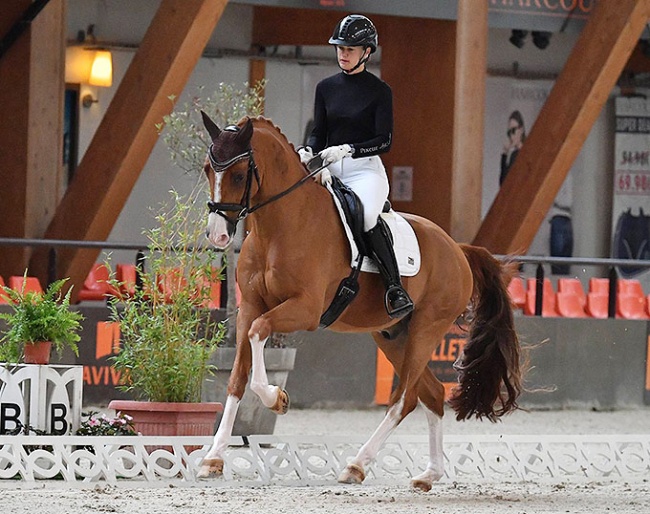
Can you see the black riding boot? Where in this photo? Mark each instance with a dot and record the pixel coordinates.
(398, 302)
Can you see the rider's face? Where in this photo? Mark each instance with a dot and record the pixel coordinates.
(349, 56)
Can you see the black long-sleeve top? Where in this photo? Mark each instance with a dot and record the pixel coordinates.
(353, 109)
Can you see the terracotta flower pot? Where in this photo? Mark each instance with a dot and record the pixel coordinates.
(38, 353)
(170, 419)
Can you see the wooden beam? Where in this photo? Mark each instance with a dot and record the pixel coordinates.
(563, 124)
(31, 132)
(467, 170)
(256, 74)
(123, 141)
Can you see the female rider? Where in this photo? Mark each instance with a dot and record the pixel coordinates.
(353, 123)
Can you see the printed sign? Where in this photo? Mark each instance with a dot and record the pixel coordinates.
(441, 363)
(630, 223)
(401, 189)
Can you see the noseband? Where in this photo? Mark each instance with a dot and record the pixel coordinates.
(243, 208)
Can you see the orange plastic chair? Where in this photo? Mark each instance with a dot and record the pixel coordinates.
(598, 298)
(126, 275)
(31, 284)
(630, 299)
(171, 282)
(631, 307)
(215, 295)
(96, 286)
(517, 292)
(597, 305)
(571, 298)
(572, 286)
(647, 305)
(599, 286)
(570, 305)
(3, 297)
(629, 287)
(548, 299)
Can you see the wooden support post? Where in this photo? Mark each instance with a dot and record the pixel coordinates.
(31, 131)
(467, 170)
(256, 74)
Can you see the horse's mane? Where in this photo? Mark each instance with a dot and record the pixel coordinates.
(261, 121)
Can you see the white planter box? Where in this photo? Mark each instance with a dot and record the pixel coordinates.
(46, 398)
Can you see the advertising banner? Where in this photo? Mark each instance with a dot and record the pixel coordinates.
(511, 108)
(536, 15)
(631, 202)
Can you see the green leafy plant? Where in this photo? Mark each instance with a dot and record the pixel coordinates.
(183, 133)
(167, 328)
(39, 316)
(182, 130)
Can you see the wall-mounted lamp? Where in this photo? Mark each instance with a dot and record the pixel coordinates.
(101, 74)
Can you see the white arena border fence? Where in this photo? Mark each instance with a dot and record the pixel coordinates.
(35, 461)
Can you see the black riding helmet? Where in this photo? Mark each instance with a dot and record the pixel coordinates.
(355, 30)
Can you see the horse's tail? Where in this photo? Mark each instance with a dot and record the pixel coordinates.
(490, 379)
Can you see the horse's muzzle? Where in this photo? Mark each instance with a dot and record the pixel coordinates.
(219, 232)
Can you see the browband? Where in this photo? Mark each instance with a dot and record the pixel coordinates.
(222, 166)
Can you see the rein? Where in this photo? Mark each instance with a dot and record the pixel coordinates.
(244, 209)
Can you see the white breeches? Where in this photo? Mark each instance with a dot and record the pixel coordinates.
(366, 176)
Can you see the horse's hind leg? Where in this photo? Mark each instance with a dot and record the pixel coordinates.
(410, 356)
(431, 393)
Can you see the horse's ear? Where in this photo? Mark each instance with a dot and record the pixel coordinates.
(210, 126)
(246, 132)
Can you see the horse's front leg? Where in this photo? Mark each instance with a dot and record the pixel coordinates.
(212, 464)
(290, 316)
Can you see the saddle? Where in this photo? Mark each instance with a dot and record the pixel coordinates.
(405, 243)
(351, 210)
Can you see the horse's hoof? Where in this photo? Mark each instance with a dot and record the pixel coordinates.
(353, 474)
(425, 480)
(210, 468)
(282, 403)
(422, 485)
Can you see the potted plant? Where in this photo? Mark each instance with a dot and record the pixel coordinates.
(37, 321)
(183, 133)
(167, 330)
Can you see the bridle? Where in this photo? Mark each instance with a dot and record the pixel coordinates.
(244, 208)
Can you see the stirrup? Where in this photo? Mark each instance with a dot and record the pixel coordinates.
(405, 304)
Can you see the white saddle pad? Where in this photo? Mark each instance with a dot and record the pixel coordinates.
(405, 242)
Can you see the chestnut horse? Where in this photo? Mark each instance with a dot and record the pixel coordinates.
(290, 266)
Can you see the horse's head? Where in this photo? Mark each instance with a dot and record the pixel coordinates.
(232, 174)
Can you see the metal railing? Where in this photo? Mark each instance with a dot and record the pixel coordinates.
(140, 248)
(610, 264)
(540, 261)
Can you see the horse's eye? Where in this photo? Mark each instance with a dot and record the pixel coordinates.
(238, 178)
